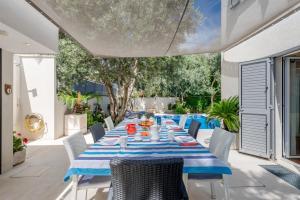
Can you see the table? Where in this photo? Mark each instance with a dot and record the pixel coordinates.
(95, 160)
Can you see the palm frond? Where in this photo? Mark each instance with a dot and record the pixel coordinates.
(227, 111)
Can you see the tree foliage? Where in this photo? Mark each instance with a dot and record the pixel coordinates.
(177, 76)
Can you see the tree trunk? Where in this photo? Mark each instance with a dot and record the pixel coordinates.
(212, 96)
(119, 105)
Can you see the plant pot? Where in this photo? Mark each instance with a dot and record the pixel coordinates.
(19, 157)
(75, 123)
(236, 142)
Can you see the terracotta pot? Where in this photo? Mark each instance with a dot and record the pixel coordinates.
(19, 157)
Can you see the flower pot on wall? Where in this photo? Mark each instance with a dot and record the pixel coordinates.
(19, 157)
(75, 123)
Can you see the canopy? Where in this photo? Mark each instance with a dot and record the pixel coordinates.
(138, 28)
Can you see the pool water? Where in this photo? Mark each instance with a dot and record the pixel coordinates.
(198, 117)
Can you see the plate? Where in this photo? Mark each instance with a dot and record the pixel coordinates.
(109, 141)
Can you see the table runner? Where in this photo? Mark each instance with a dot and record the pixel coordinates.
(95, 160)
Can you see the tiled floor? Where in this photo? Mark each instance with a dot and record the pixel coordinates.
(248, 182)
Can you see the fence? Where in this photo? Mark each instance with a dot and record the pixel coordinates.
(154, 104)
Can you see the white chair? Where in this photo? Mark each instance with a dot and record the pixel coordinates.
(219, 145)
(74, 145)
(182, 121)
(109, 123)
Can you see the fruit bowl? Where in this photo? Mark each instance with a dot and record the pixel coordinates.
(146, 124)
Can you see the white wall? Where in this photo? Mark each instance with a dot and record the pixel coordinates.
(7, 112)
(248, 16)
(159, 104)
(275, 40)
(38, 94)
(229, 78)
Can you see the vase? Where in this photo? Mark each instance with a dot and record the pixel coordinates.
(19, 157)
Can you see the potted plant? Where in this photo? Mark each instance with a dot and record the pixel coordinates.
(75, 116)
(227, 111)
(19, 148)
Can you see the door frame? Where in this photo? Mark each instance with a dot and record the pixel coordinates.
(1, 111)
(286, 108)
(270, 152)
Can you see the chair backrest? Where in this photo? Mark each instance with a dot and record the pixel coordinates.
(194, 128)
(97, 131)
(220, 143)
(109, 123)
(74, 144)
(141, 179)
(182, 121)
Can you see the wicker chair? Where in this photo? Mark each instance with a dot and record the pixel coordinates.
(194, 128)
(142, 179)
(97, 131)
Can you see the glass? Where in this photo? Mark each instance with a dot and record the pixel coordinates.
(123, 142)
(294, 112)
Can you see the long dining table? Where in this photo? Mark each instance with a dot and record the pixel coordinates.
(96, 158)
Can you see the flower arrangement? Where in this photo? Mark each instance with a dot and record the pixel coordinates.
(19, 142)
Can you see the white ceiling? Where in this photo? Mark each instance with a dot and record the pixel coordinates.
(25, 30)
(16, 42)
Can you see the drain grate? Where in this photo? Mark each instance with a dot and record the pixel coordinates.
(285, 174)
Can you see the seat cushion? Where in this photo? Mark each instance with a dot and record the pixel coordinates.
(94, 182)
(204, 176)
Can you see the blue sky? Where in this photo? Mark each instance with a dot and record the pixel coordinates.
(209, 31)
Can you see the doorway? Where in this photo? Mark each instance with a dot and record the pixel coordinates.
(292, 107)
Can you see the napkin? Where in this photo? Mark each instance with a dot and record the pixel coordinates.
(110, 141)
(186, 141)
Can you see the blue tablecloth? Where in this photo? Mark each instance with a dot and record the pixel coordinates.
(95, 160)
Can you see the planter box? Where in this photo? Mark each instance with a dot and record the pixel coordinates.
(19, 157)
(75, 123)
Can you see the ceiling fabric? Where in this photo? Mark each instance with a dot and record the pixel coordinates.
(141, 28)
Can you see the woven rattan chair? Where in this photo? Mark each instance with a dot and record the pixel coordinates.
(143, 179)
(194, 128)
(97, 132)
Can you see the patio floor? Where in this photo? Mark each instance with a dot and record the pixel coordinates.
(41, 177)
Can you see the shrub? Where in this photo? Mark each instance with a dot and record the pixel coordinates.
(181, 108)
(227, 111)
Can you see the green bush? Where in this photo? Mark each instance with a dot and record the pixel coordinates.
(227, 111)
(181, 108)
(197, 104)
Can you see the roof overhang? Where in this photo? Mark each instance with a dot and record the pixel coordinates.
(278, 39)
(25, 30)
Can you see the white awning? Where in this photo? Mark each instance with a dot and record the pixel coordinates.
(137, 28)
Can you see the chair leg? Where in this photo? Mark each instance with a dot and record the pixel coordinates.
(86, 194)
(226, 190)
(212, 190)
(74, 186)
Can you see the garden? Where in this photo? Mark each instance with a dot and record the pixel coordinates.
(194, 81)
